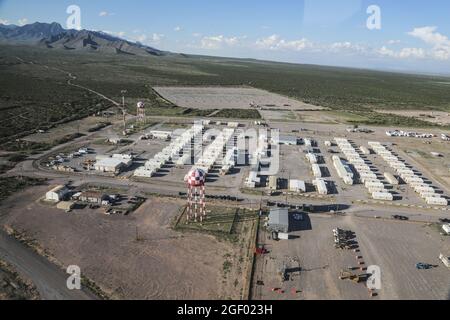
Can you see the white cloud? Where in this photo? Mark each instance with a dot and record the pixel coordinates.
(140, 38)
(120, 34)
(440, 43)
(348, 47)
(105, 14)
(217, 42)
(405, 53)
(196, 35)
(391, 42)
(3, 21)
(275, 42)
(22, 22)
(177, 29)
(157, 37)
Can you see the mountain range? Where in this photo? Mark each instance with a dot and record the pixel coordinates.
(54, 36)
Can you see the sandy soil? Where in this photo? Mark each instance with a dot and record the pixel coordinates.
(162, 264)
(395, 247)
(229, 98)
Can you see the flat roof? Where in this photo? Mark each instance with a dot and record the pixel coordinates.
(279, 216)
(112, 162)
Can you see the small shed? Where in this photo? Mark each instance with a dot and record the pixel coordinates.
(57, 194)
(279, 220)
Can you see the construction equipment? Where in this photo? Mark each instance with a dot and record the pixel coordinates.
(260, 250)
(346, 275)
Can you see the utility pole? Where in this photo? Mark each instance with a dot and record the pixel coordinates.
(123, 110)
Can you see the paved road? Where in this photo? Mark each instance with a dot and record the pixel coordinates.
(49, 280)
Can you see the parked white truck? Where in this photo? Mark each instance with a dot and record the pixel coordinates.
(445, 260)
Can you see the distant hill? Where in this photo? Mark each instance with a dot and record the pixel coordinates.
(54, 36)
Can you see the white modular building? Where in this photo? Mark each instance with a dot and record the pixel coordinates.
(391, 179)
(112, 165)
(321, 186)
(317, 171)
(382, 196)
(297, 186)
(312, 158)
(436, 201)
(57, 194)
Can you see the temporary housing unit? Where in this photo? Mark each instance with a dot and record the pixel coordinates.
(382, 196)
(57, 194)
(436, 201)
(252, 179)
(364, 150)
(273, 183)
(391, 179)
(297, 186)
(312, 158)
(317, 172)
(321, 186)
(343, 170)
(181, 143)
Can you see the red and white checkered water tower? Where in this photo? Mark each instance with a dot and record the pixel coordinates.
(196, 195)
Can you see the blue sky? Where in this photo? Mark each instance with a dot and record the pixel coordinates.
(414, 34)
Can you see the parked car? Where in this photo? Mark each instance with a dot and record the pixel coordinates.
(398, 217)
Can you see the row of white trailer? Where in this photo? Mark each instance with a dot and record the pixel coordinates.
(215, 152)
(367, 176)
(321, 186)
(343, 170)
(260, 155)
(427, 192)
(182, 144)
(314, 160)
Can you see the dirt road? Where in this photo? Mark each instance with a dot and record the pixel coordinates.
(49, 280)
